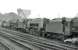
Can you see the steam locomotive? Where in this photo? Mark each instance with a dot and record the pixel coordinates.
(45, 27)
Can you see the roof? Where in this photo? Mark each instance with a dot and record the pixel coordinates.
(37, 20)
(60, 19)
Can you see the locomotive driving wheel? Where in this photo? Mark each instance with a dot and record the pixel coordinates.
(42, 33)
(31, 31)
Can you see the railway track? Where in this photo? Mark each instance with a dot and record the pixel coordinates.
(11, 44)
(18, 42)
(39, 41)
(3, 47)
(43, 47)
(36, 47)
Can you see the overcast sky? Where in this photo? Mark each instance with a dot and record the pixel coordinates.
(42, 8)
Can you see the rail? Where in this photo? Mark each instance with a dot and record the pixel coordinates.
(39, 41)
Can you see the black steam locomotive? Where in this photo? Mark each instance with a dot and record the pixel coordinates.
(46, 28)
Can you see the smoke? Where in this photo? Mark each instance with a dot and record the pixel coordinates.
(23, 13)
